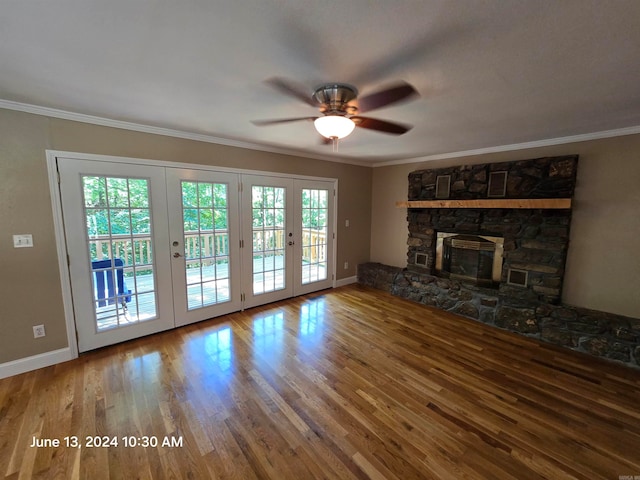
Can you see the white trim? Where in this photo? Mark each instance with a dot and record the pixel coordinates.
(169, 132)
(169, 164)
(27, 364)
(334, 245)
(517, 146)
(346, 281)
(61, 248)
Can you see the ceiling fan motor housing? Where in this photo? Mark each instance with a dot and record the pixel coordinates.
(334, 98)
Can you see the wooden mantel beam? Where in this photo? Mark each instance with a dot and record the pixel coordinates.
(542, 203)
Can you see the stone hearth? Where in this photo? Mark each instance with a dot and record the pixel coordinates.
(601, 334)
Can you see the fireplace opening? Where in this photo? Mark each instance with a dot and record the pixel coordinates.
(472, 258)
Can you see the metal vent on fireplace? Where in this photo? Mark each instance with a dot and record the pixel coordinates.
(472, 244)
(517, 277)
(421, 259)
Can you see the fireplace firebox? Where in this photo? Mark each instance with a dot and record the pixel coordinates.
(471, 258)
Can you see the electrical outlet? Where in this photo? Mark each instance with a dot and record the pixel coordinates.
(346, 265)
(38, 331)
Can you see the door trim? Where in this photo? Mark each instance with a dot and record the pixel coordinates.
(56, 205)
(172, 164)
(61, 248)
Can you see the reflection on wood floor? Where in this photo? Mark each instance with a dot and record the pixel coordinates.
(349, 383)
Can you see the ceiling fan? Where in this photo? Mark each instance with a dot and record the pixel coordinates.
(340, 106)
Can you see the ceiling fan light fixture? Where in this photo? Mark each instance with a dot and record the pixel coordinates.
(334, 126)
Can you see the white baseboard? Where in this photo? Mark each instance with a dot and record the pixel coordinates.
(41, 360)
(346, 281)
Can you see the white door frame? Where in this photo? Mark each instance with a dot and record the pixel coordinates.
(56, 205)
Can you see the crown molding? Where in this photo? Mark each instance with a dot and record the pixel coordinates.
(517, 146)
(137, 127)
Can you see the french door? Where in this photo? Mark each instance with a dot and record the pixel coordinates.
(117, 243)
(288, 237)
(204, 231)
(267, 240)
(153, 247)
(313, 231)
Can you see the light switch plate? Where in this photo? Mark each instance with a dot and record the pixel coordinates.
(23, 241)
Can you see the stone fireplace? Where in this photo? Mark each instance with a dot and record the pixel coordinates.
(458, 234)
(524, 249)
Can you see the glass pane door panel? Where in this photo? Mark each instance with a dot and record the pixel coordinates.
(269, 237)
(119, 236)
(205, 214)
(315, 213)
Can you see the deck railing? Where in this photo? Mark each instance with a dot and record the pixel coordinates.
(126, 247)
(197, 245)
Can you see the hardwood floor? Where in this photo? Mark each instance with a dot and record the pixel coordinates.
(350, 383)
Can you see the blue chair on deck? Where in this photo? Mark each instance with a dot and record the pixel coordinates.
(116, 291)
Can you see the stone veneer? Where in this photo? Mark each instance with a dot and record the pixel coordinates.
(597, 333)
(535, 240)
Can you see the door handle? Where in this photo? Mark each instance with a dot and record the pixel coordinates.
(176, 255)
(291, 243)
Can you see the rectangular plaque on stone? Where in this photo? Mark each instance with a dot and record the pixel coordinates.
(517, 277)
(421, 259)
(497, 184)
(443, 186)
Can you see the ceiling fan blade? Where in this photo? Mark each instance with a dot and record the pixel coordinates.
(381, 125)
(401, 91)
(262, 123)
(292, 89)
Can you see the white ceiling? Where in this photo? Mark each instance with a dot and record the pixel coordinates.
(490, 72)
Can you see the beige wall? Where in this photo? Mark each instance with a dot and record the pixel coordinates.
(30, 289)
(603, 264)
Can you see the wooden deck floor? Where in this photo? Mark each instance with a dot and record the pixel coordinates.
(350, 383)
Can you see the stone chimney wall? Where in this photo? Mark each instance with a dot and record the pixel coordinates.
(535, 240)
